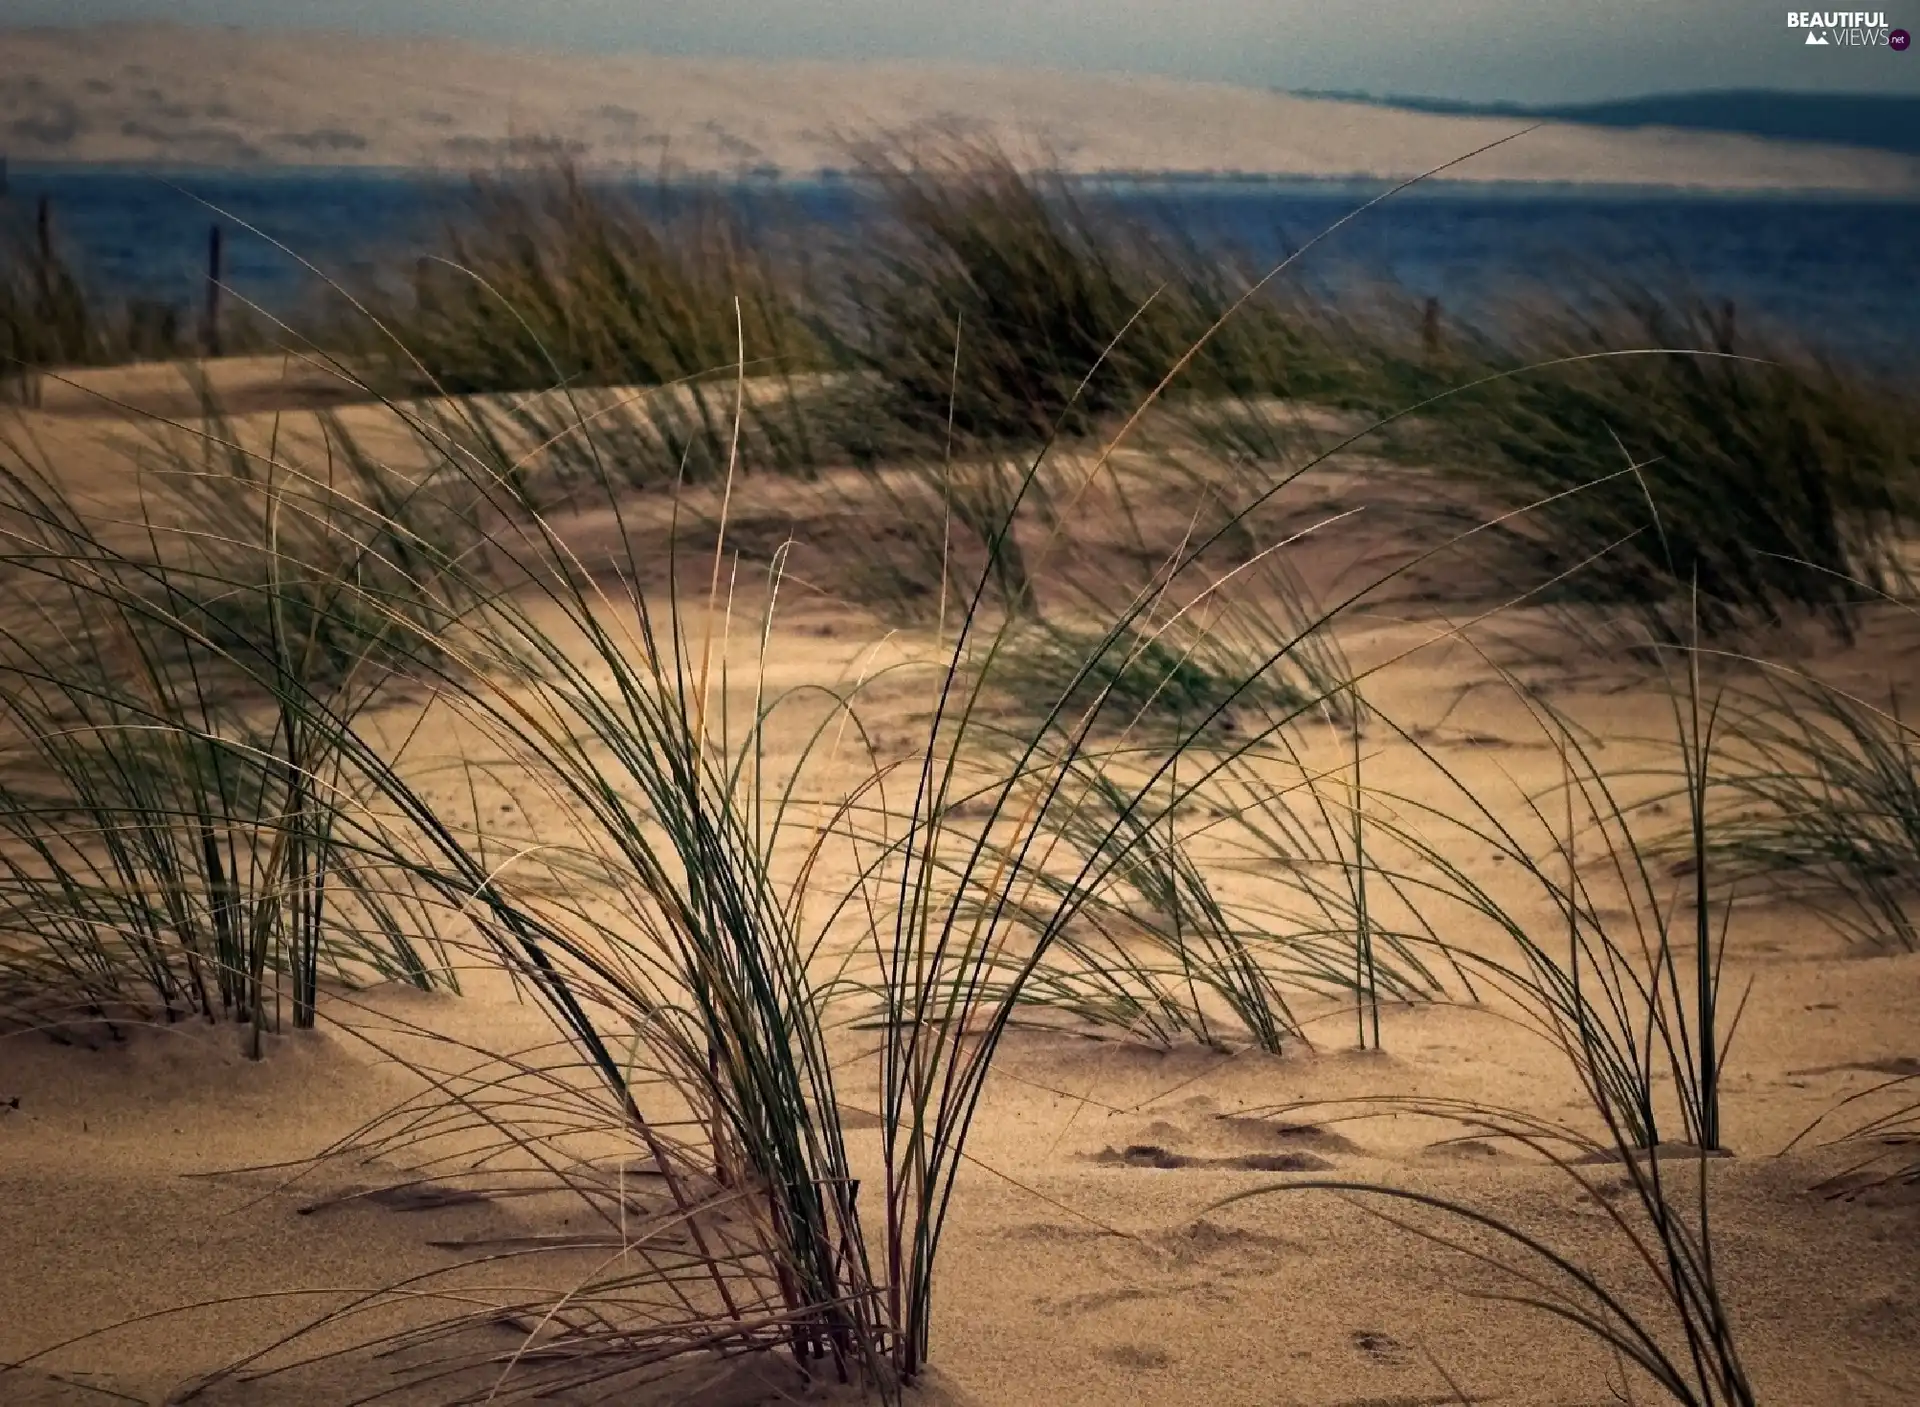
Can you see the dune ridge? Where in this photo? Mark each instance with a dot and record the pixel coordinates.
(163, 93)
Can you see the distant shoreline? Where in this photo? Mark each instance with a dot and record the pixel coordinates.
(1867, 121)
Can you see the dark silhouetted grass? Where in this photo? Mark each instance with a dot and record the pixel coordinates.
(46, 318)
(1739, 473)
(997, 305)
(558, 284)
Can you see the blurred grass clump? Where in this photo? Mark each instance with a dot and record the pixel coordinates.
(554, 280)
(994, 304)
(46, 318)
(1638, 449)
(1664, 464)
(556, 297)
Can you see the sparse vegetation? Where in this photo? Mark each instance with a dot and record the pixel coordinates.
(215, 798)
(1620, 1007)
(180, 836)
(1827, 800)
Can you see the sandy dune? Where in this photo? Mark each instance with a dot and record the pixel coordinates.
(156, 93)
(1082, 1267)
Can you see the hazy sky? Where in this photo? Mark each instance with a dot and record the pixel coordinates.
(1529, 50)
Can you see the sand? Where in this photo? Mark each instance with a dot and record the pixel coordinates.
(146, 94)
(1069, 1277)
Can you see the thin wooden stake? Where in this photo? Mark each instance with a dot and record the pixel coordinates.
(212, 329)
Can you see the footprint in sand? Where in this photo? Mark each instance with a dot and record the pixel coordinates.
(1468, 1150)
(1264, 1133)
(1093, 1301)
(1381, 1348)
(1137, 1358)
(1236, 1142)
(1154, 1155)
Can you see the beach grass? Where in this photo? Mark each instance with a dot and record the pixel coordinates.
(180, 839)
(1740, 481)
(206, 704)
(1822, 795)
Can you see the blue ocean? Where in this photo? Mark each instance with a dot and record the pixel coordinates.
(1843, 274)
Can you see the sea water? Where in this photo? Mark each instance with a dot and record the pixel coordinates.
(1841, 272)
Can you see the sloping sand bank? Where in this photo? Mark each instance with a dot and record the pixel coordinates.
(151, 94)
